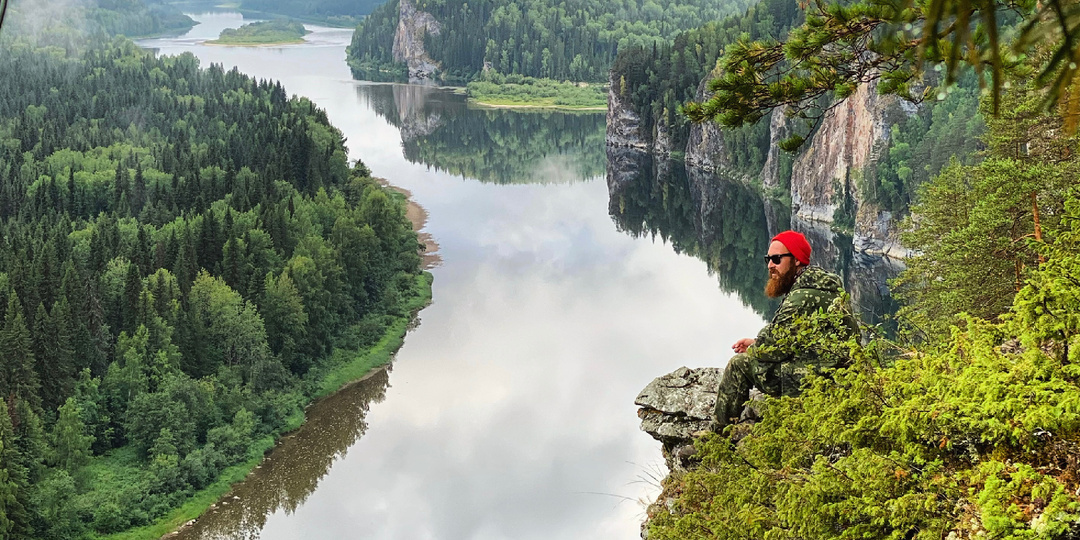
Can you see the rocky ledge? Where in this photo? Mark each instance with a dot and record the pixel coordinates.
(676, 406)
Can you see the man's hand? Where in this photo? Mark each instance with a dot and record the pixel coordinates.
(743, 344)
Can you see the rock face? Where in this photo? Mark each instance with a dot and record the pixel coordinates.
(842, 152)
(623, 124)
(681, 403)
(706, 148)
(778, 131)
(413, 25)
(677, 405)
(839, 153)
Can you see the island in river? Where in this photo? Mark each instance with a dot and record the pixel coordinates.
(277, 32)
(515, 91)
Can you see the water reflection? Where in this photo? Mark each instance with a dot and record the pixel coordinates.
(728, 225)
(439, 129)
(297, 464)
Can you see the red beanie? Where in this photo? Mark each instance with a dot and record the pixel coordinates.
(796, 244)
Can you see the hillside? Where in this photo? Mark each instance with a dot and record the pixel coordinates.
(331, 12)
(188, 259)
(554, 39)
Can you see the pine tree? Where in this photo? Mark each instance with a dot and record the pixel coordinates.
(17, 377)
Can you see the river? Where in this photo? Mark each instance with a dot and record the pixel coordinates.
(508, 413)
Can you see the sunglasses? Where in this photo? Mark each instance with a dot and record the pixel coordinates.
(775, 259)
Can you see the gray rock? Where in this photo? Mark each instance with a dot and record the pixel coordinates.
(676, 406)
(623, 124)
(408, 47)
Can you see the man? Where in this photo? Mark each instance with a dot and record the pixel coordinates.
(759, 362)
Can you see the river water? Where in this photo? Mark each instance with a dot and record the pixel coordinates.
(508, 413)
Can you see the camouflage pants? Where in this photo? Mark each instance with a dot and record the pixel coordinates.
(741, 374)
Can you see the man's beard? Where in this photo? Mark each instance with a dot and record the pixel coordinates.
(779, 284)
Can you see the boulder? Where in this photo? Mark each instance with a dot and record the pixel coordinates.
(676, 406)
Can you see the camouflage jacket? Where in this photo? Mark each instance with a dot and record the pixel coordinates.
(782, 367)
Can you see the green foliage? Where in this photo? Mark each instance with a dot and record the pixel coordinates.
(553, 39)
(964, 437)
(922, 144)
(494, 89)
(973, 222)
(263, 33)
(332, 12)
(70, 24)
(840, 45)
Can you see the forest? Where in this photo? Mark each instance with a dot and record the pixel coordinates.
(331, 12)
(187, 259)
(551, 39)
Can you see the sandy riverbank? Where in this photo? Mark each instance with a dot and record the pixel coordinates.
(418, 216)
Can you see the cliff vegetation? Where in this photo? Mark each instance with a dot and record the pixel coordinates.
(517, 91)
(330, 12)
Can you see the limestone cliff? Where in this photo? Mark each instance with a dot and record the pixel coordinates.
(413, 25)
(842, 152)
(828, 171)
(623, 123)
(778, 131)
(706, 148)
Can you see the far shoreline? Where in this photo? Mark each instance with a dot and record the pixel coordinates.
(218, 43)
(487, 105)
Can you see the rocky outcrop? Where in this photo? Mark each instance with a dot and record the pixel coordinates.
(623, 123)
(677, 405)
(662, 144)
(778, 131)
(706, 148)
(413, 25)
(842, 152)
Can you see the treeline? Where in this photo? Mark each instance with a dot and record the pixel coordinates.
(184, 253)
(968, 429)
(336, 12)
(562, 40)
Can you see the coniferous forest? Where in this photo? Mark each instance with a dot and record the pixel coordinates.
(186, 255)
(561, 40)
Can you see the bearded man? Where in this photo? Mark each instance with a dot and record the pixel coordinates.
(759, 362)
